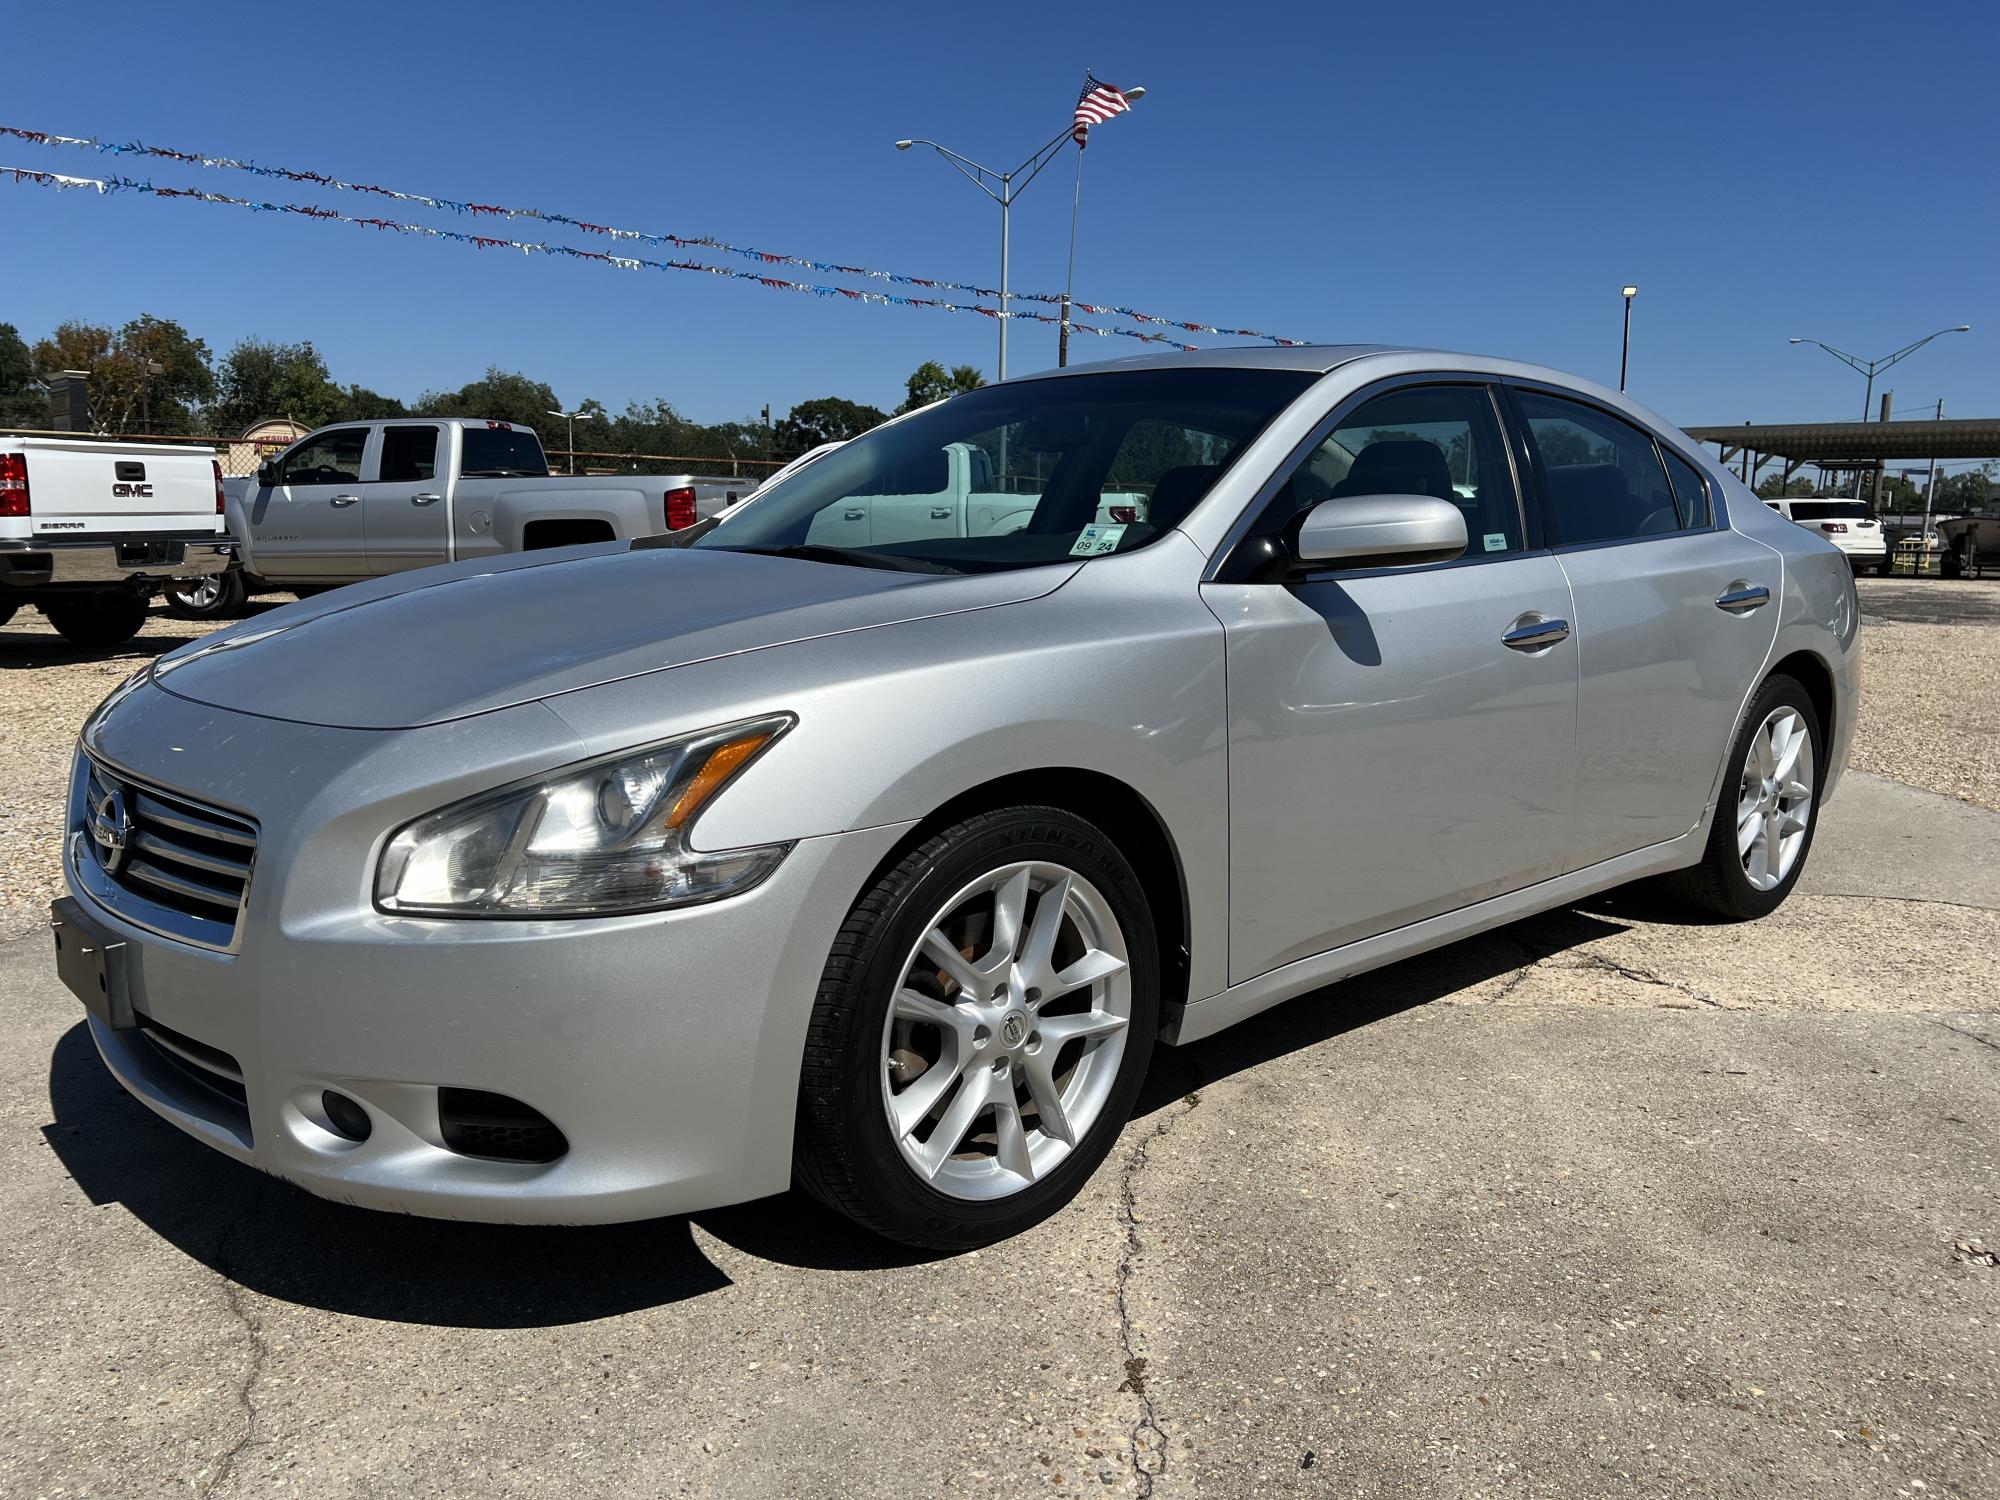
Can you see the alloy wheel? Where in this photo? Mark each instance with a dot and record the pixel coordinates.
(1775, 798)
(1006, 1030)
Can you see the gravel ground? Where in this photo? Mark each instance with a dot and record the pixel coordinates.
(1930, 715)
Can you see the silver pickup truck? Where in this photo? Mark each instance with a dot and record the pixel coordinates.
(362, 499)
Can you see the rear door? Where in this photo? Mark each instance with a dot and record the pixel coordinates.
(309, 524)
(1671, 629)
(406, 503)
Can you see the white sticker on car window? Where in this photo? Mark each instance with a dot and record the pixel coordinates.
(1496, 541)
(1095, 541)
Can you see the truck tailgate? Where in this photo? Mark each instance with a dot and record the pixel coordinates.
(80, 488)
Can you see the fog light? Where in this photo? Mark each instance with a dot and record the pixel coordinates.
(345, 1116)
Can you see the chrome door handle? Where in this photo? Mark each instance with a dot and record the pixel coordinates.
(855, 515)
(425, 499)
(1533, 632)
(1740, 598)
(344, 500)
(940, 513)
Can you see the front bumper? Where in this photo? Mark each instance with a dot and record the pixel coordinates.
(54, 562)
(665, 1047)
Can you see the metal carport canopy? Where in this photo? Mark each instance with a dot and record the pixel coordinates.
(1850, 443)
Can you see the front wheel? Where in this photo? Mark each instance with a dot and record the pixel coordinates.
(981, 1031)
(1767, 814)
(98, 621)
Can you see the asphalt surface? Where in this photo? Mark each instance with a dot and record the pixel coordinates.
(1600, 1204)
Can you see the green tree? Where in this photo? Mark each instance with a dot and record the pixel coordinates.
(152, 372)
(830, 419)
(1968, 490)
(260, 380)
(931, 381)
(1777, 487)
(499, 396)
(23, 403)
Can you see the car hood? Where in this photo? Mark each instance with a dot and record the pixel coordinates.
(443, 643)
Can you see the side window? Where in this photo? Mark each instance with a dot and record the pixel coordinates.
(1442, 441)
(1690, 489)
(409, 454)
(331, 458)
(1604, 476)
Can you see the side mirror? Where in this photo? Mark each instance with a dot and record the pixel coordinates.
(267, 473)
(1373, 530)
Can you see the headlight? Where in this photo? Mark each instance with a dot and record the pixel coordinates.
(594, 840)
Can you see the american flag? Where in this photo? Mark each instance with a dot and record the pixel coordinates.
(1097, 103)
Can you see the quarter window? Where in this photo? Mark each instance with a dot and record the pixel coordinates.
(409, 454)
(1605, 480)
(331, 458)
(1442, 441)
(1690, 489)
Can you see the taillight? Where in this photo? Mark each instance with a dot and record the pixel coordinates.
(14, 484)
(1126, 514)
(680, 509)
(216, 464)
(1833, 526)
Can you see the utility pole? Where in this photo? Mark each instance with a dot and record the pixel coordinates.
(1930, 495)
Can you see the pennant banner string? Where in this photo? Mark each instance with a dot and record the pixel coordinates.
(107, 185)
(678, 242)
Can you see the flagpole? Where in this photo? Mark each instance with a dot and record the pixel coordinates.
(1069, 280)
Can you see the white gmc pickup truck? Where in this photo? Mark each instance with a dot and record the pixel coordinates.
(362, 499)
(89, 530)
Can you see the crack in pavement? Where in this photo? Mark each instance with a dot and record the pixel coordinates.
(1644, 976)
(232, 1292)
(1149, 1421)
(1970, 1036)
(1913, 900)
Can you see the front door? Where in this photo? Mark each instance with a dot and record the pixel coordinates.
(309, 524)
(407, 504)
(1392, 756)
(1671, 629)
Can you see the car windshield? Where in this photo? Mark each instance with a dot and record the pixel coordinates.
(1021, 474)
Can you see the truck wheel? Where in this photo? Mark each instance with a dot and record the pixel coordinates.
(98, 621)
(220, 596)
(981, 1031)
(1949, 566)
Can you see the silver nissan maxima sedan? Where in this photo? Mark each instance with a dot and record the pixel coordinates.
(872, 841)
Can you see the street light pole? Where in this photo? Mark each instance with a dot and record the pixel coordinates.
(1873, 367)
(570, 417)
(1625, 349)
(1008, 191)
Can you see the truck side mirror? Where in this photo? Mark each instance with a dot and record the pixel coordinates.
(267, 473)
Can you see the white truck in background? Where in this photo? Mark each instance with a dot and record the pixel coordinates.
(358, 500)
(91, 530)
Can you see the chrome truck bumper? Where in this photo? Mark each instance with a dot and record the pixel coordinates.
(45, 562)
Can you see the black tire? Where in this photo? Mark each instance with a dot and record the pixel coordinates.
(7, 613)
(1950, 565)
(218, 598)
(1719, 884)
(98, 621)
(1887, 566)
(844, 1153)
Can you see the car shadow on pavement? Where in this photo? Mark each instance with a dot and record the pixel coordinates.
(20, 649)
(282, 1242)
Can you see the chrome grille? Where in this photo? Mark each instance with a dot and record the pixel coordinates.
(161, 860)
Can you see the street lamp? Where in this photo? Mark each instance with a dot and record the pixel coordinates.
(1625, 350)
(1008, 192)
(570, 417)
(1873, 367)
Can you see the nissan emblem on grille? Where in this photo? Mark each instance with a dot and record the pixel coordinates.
(110, 825)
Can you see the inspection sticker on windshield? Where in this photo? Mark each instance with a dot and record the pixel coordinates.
(1095, 541)
(1496, 541)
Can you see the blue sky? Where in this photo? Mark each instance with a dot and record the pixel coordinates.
(1478, 177)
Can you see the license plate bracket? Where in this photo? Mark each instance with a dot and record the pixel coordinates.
(93, 964)
(151, 554)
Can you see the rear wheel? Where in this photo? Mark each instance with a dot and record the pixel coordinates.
(98, 621)
(220, 596)
(1765, 819)
(981, 1031)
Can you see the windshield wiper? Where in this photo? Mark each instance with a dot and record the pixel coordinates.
(858, 557)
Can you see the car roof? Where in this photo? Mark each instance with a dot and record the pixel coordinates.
(1315, 359)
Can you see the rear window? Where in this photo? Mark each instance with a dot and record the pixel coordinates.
(1829, 510)
(498, 452)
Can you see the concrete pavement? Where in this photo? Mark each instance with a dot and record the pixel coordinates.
(1601, 1203)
